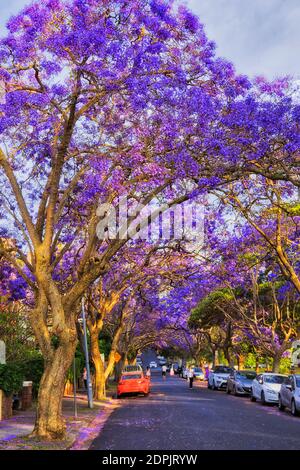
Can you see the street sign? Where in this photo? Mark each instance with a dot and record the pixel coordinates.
(118, 357)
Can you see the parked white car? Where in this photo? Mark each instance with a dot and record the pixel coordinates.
(218, 377)
(153, 365)
(185, 373)
(289, 394)
(198, 373)
(266, 387)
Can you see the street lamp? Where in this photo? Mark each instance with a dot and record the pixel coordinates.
(87, 361)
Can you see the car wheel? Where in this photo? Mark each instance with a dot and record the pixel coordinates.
(280, 405)
(263, 399)
(213, 387)
(294, 410)
(208, 385)
(252, 397)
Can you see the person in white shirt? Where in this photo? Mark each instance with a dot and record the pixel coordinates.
(164, 371)
(191, 377)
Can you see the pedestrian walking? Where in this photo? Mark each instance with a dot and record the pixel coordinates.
(84, 377)
(148, 372)
(164, 371)
(206, 371)
(172, 371)
(191, 377)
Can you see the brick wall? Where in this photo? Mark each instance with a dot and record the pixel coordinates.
(5, 406)
(26, 398)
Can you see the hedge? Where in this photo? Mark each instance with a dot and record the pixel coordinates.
(12, 375)
(11, 378)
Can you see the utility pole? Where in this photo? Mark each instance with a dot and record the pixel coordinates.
(87, 360)
(75, 387)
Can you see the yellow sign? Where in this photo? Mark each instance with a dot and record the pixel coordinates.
(118, 357)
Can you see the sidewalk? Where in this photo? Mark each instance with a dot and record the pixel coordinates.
(81, 431)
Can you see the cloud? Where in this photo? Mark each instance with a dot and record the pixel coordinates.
(261, 37)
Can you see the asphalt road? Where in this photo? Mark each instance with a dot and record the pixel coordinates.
(174, 417)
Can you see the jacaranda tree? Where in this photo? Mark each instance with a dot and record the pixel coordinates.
(106, 99)
(102, 98)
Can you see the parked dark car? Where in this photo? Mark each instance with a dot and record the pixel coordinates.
(240, 382)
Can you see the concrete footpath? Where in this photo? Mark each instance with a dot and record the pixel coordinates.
(81, 431)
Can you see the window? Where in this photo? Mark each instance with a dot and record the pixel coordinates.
(274, 379)
(131, 377)
(247, 374)
(223, 370)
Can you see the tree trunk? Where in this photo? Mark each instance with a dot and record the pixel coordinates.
(114, 350)
(228, 357)
(240, 361)
(50, 424)
(99, 386)
(133, 357)
(215, 357)
(276, 363)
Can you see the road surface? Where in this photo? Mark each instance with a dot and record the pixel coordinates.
(174, 417)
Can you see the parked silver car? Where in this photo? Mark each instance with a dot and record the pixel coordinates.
(217, 379)
(240, 382)
(289, 394)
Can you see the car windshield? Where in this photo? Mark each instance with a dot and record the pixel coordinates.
(131, 377)
(222, 370)
(274, 379)
(246, 374)
(298, 380)
(132, 368)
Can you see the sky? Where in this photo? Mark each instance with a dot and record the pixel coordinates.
(261, 37)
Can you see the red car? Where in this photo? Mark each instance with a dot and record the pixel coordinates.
(133, 383)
